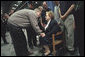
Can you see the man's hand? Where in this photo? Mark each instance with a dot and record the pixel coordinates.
(68, 12)
(42, 34)
(6, 16)
(63, 17)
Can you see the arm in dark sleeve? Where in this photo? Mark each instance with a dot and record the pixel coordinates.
(54, 30)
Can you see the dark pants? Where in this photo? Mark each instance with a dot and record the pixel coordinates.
(3, 32)
(48, 41)
(31, 37)
(45, 40)
(19, 41)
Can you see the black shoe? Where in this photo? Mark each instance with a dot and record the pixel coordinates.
(43, 54)
(72, 52)
(35, 45)
(29, 52)
(31, 47)
(50, 54)
(41, 51)
(6, 43)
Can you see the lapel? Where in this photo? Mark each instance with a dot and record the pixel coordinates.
(49, 25)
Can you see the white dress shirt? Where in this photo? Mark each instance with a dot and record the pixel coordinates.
(47, 24)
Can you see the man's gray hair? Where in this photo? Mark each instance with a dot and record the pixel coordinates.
(37, 9)
(40, 7)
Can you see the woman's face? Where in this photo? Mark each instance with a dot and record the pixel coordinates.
(47, 17)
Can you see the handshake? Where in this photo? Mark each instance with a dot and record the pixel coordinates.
(42, 34)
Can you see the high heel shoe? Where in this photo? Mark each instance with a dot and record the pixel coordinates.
(50, 54)
(47, 53)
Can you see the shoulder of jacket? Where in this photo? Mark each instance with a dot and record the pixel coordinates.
(54, 21)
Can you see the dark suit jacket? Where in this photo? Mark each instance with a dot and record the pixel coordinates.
(53, 28)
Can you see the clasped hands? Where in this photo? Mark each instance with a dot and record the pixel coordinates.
(42, 34)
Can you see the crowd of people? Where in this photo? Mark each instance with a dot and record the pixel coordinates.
(43, 22)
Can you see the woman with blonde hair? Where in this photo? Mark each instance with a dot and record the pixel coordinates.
(50, 28)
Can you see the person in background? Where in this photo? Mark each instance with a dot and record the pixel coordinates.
(57, 14)
(3, 29)
(43, 14)
(67, 10)
(31, 5)
(11, 12)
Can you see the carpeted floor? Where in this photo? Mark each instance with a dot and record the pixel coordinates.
(8, 49)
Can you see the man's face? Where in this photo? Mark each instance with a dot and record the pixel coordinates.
(45, 5)
(30, 6)
(12, 11)
(39, 13)
(56, 2)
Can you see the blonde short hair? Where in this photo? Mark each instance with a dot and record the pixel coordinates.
(50, 13)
